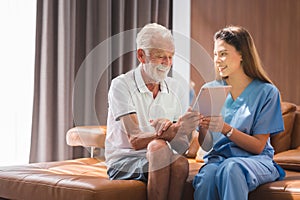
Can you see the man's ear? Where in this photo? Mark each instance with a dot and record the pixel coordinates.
(141, 55)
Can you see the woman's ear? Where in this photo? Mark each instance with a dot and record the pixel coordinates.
(141, 55)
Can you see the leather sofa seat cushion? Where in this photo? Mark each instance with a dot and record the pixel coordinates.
(283, 190)
(289, 160)
(81, 179)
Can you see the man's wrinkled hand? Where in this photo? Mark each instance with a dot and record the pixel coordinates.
(160, 125)
(188, 122)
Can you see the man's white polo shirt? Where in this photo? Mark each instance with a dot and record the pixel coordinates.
(129, 94)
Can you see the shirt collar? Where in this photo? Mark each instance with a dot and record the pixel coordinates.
(140, 83)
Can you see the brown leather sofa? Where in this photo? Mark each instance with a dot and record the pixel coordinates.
(86, 178)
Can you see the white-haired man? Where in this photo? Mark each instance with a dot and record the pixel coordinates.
(147, 130)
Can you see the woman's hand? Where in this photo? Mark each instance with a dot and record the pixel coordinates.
(253, 144)
(212, 123)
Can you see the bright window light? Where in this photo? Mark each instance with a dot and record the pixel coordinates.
(17, 50)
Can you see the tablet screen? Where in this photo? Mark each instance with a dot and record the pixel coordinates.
(210, 100)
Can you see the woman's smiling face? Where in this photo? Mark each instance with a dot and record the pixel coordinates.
(226, 58)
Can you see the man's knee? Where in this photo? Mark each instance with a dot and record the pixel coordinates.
(156, 145)
(158, 154)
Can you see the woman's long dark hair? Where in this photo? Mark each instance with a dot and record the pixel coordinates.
(241, 39)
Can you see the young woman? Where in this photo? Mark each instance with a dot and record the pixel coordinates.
(240, 156)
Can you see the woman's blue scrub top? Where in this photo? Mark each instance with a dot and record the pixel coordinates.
(256, 111)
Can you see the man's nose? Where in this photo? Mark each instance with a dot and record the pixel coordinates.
(167, 61)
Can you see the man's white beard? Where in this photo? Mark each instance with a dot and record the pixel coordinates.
(157, 73)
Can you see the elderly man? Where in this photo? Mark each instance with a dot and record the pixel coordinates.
(147, 130)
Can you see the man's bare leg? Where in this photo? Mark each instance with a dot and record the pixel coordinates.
(159, 157)
(178, 174)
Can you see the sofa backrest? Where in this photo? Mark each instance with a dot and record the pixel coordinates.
(283, 141)
(296, 130)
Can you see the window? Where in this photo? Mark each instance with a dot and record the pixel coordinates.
(17, 50)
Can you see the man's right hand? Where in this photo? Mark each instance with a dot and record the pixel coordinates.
(188, 122)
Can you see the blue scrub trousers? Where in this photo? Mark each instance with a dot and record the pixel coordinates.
(233, 178)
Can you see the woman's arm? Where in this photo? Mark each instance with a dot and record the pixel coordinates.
(253, 144)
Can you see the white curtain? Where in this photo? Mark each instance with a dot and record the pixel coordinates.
(17, 51)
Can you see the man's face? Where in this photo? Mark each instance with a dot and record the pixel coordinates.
(158, 64)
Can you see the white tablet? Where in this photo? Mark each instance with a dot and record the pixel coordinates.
(210, 100)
